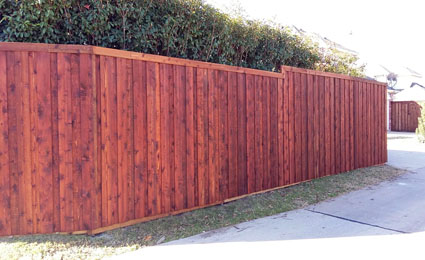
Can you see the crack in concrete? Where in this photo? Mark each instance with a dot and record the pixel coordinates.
(356, 221)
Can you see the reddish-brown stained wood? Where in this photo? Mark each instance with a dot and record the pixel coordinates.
(385, 99)
(180, 137)
(241, 103)
(298, 127)
(259, 155)
(404, 115)
(91, 141)
(109, 157)
(125, 140)
(338, 119)
(310, 126)
(76, 143)
(5, 221)
(356, 123)
(281, 132)
(375, 120)
(342, 114)
(87, 139)
(363, 124)
(44, 137)
(322, 126)
(332, 124)
(202, 132)
(304, 128)
(166, 82)
(153, 135)
(274, 149)
(360, 123)
(286, 155)
(250, 134)
(15, 141)
(233, 134)
(140, 139)
(291, 125)
(347, 125)
(190, 137)
(265, 88)
(368, 124)
(316, 123)
(55, 135)
(327, 122)
(213, 138)
(223, 147)
(34, 145)
(97, 125)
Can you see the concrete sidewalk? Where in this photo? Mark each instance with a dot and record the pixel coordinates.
(387, 219)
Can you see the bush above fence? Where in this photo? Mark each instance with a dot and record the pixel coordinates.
(178, 28)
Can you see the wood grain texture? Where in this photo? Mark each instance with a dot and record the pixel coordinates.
(404, 116)
(94, 139)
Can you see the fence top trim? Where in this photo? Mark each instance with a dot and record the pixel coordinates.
(329, 74)
(89, 49)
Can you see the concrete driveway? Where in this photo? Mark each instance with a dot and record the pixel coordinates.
(384, 221)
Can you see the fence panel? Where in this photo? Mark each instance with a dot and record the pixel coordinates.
(94, 138)
(404, 116)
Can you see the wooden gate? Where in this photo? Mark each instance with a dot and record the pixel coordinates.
(404, 116)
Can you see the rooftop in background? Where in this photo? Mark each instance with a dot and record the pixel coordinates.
(381, 32)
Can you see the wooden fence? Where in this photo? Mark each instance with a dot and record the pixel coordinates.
(404, 116)
(94, 138)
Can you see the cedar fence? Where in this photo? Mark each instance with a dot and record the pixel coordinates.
(95, 138)
(404, 116)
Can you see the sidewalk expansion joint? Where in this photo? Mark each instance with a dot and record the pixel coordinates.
(356, 221)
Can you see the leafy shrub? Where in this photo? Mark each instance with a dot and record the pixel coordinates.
(420, 131)
(178, 28)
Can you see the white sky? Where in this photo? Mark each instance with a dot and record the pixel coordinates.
(391, 33)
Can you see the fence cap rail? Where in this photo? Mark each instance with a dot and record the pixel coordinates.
(329, 74)
(89, 49)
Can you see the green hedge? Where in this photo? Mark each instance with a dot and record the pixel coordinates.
(420, 131)
(178, 28)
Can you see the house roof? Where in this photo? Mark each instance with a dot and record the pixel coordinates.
(416, 92)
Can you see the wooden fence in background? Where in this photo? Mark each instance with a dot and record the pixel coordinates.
(95, 138)
(404, 116)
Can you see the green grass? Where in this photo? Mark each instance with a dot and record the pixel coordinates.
(191, 223)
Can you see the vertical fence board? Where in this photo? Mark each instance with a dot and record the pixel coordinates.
(250, 134)
(274, 149)
(223, 129)
(304, 128)
(258, 133)
(202, 132)
(5, 224)
(241, 103)
(281, 132)
(311, 126)
(140, 139)
(327, 128)
(291, 124)
(265, 89)
(55, 138)
(190, 137)
(166, 82)
(322, 126)
(286, 154)
(233, 134)
(153, 135)
(213, 160)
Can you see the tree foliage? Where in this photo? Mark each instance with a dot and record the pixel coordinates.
(178, 28)
(420, 131)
